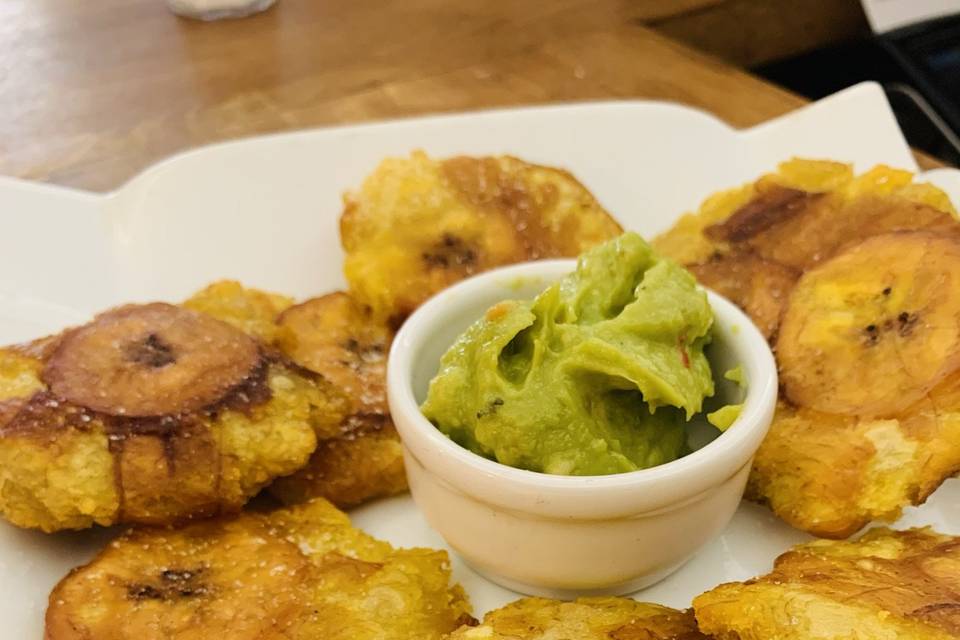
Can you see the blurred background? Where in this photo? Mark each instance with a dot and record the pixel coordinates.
(92, 92)
(817, 47)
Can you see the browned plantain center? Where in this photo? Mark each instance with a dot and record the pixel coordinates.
(151, 351)
(150, 360)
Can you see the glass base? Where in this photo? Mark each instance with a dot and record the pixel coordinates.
(217, 9)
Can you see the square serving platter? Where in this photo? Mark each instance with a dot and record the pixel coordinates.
(265, 211)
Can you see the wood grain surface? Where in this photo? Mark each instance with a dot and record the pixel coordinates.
(93, 92)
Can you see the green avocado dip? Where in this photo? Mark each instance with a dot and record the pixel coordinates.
(725, 416)
(599, 374)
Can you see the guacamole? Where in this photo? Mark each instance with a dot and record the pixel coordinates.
(598, 374)
(725, 416)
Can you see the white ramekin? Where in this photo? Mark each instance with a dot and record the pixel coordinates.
(561, 536)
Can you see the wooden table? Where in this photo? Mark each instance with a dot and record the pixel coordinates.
(92, 92)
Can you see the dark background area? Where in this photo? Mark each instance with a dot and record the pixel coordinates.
(921, 62)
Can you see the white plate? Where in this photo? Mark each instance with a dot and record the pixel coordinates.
(265, 211)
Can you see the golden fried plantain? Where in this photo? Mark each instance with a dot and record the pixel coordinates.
(871, 331)
(805, 213)
(888, 585)
(339, 339)
(291, 574)
(584, 619)
(253, 312)
(852, 279)
(687, 241)
(151, 414)
(758, 286)
(150, 360)
(363, 463)
(335, 337)
(799, 229)
(831, 475)
(771, 206)
(418, 225)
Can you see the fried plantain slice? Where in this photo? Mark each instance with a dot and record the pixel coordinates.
(584, 619)
(364, 462)
(151, 414)
(252, 311)
(758, 286)
(934, 424)
(880, 426)
(297, 573)
(418, 225)
(800, 229)
(772, 206)
(887, 585)
(340, 340)
(150, 360)
(806, 212)
(687, 241)
(829, 227)
(874, 329)
(831, 475)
